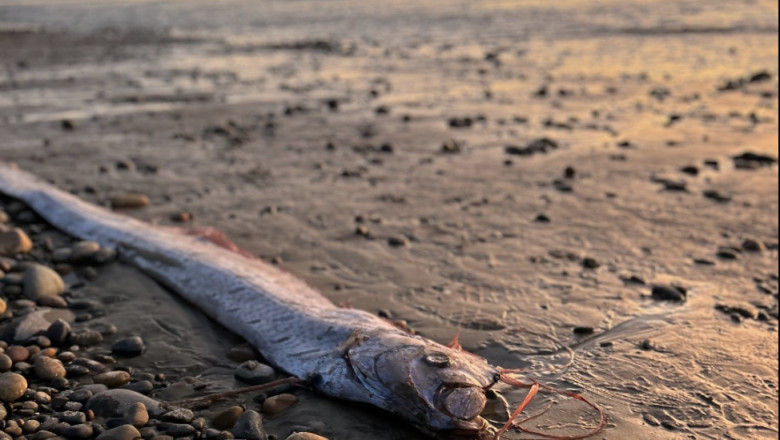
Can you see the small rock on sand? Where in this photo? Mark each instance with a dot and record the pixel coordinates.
(14, 242)
(129, 201)
(40, 282)
(276, 404)
(669, 293)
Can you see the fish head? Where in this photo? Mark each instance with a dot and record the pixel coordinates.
(433, 386)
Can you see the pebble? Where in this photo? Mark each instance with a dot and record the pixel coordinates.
(3, 306)
(40, 282)
(305, 436)
(242, 353)
(280, 402)
(85, 337)
(131, 346)
(47, 368)
(181, 217)
(137, 415)
(179, 415)
(30, 426)
(129, 201)
(254, 373)
(12, 386)
(14, 242)
(83, 251)
(113, 379)
(541, 218)
(728, 253)
(73, 417)
(398, 241)
(669, 293)
(176, 429)
(58, 332)
(123, 432)
(117, 402)
(143, 387)
(17, 353)
(227, 418)
(249, 426)
(751, 245)
(717, 196)
(582, 330)
(5, 362)
(55, 302)
(80, 431)
(590, 263)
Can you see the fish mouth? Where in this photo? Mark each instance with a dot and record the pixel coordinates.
(463, 403)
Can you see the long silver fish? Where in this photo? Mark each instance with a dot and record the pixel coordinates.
(344, 353)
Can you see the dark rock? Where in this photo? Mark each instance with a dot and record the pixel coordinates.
(583, 330)
(715, 195)
(176, 429)
(58, 332)
(249, 426)
(73, 417)
(464, 122)
(143, 387)
(563, 185)
(542, 145)
(744, 311)
(728, 253)
(691, 170)
(633, 279)
(749, 160)
(450, 147)
(669, 293)
(760, 76)
(751, 245)
(398, 241)
(590, 263)
(541, 218)
(81, 431)
(131, 346)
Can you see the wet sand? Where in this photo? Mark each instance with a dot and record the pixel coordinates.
(387, 163)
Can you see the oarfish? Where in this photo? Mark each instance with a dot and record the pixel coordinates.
(345, 353)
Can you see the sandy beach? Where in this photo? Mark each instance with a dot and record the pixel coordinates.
(598, 176)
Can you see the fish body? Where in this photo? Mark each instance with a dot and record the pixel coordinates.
(344, 353)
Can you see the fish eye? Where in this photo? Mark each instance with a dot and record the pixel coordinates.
(437, 359)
